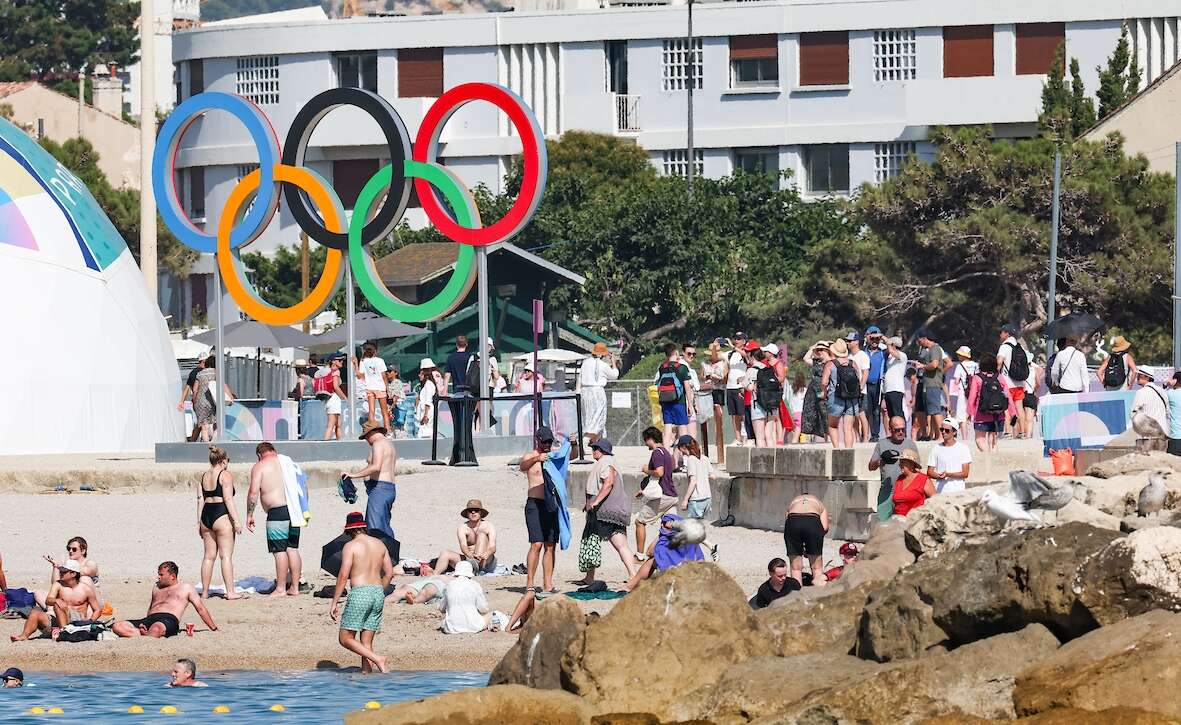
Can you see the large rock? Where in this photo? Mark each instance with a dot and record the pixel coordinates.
(1134, 663)
(1135, 463)
(1133, 575)
(535, 660)
(670, 636)
(501, 704)
(977, 591)
(1064, 716)
(883, 556)
(799, 627)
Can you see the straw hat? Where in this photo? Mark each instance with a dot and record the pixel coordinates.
(371, 426)
(427, 364)
(600, 348)
(909, 454)
(839, 349)
(965, 352)
(1120, 344)
(474, 504)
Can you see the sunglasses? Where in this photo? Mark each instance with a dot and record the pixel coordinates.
(948, 430)
(690, 353)
(73, 548)
(898, 430)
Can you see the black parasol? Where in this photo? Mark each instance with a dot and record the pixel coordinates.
(1076, 325)
(330, 554)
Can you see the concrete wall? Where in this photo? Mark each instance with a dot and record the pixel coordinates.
(1149, 124)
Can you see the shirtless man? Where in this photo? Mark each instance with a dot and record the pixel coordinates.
(169, 601)
(477, 542)
(71, 599)
(266, 481)
(541, 524)
(366, 566)
(379, 475)
(803, 533)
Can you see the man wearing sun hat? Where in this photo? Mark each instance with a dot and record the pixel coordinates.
(477, 537)
(365, 565)
(378, 473)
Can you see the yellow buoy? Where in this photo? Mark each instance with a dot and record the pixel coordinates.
(373, 705)
(36, 711)
(135, 710)
(169, 710)
(54, 711)
(220, 709)
(278, 708)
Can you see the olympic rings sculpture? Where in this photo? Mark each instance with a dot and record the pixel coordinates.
(318, 211)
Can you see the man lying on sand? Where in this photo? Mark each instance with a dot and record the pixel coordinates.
(169, 601)
(184, 674)
(421, 591)
(365, 564)
(70, 599)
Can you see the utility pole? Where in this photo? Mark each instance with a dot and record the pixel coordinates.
(1054, 250)
(305, 277)
(690, 74)
(1177, 265)
(81, 98)
(147, 140)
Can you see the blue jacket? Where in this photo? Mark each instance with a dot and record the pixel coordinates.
(557, 466)
(877, 363)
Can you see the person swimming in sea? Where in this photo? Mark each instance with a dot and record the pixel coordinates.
(184, 674)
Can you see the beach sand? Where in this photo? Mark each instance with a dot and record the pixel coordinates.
(131, 533)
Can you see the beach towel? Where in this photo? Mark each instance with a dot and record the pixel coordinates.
(296, 484)
(667, 555)
(604, 594)
(555, 468)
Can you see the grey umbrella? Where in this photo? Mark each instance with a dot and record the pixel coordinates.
(369, 326)
(249, 333)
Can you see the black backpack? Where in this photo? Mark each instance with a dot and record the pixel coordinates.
(1018, 364)
(848, 382)
(992, 395)
(1116, 373)
(471, 375)
(768, 389)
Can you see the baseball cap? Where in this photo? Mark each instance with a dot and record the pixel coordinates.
(896, 341)
(771, 348)
(739, 335)
(13, 673)
(853, 336)
(544, 435)
(684, 440)
(950, 422)
(849, 549)
(71, 565)
(924, 332)
(1009, 329)
(752, 346)
(603, 445)
(873, 330)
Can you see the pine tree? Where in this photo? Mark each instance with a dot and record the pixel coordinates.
(1133, 79)
(1054, 120)
(1082, 107)
(1114, 80)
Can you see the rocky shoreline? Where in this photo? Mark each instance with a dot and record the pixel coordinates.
(947, 618)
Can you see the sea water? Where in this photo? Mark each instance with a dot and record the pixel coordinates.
(318, 696)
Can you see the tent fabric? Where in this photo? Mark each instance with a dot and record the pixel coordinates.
(87, 362)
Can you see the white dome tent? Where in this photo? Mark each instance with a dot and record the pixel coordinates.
(85, 361)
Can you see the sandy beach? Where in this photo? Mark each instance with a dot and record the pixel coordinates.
(131, 532)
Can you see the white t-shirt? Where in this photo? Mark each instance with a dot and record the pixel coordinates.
(1070, 370)
(949, 458)
(596, 373)
(1005, 354)
(698, 470)
(895, 377)
(861, 359)
(961, 373)
(373, 367)
(736, 378)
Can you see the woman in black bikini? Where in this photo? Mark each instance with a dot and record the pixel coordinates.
(218, 522)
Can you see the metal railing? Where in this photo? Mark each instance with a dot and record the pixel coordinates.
(627, 112)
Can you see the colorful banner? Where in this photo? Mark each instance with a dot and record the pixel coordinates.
(1084, 420)
(262, 420)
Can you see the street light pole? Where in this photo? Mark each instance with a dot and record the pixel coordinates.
(147, 140)
(1054, 250)
(1177, 265)
(690, 74)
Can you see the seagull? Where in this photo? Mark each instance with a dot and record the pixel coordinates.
(1054, 499)
(1025, 486)
(1152, 496)
(1007, 509)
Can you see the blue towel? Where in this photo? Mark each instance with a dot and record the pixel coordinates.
(556, 466)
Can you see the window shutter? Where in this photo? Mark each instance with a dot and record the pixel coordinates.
(349, 176)
(967, 51)
(1036, 45)
(746, 47)
(420, 72)
(824, 58)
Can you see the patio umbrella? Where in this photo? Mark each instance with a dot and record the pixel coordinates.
(1076, 325)
(330, 553)
(369, 326)
(248, 333)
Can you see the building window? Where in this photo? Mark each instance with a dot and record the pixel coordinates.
(757, 161)
(420, 72)
(824, 58)
(357, 70)
(196, 77)
(197, 193)
(533, 72)
(1036, 45)
(676, 63)
(349, 176)
(754, 60)
(967, 51)
(676, 162)
(889, 158)
(826, 167)
(894, 55)
(258, 79)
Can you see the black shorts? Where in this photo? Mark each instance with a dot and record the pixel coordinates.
(803, 535)
(718, 395)
(735, 405)
(170, 622)
(541, 524)
(920, 400)
(1029, 401)
(1174, 446)
(894, 406)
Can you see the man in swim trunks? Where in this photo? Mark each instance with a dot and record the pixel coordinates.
(541, 523)
(70, 599)
(267, 485)
(366, 566)
(803, 533)
(170, 599)
(379, 472)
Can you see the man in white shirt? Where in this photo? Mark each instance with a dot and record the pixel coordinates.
(735, 385)
(464, 605)
(950, 461)
(1150, 411)
(860, 358)
(894, 380)
(1069, 372)
(1004, 361)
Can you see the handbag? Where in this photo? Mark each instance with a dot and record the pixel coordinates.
(590, 550)
(650, 488)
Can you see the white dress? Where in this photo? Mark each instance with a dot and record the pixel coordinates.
(425, 407)
(592, 377)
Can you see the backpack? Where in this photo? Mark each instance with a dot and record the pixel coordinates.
(768, 389)
(471, 376)
(1116, 373)
(992, 395)
(1018, 364)
(322, 385)
(848, 382)
(668, 386)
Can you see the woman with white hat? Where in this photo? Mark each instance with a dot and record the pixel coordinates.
(424, 409)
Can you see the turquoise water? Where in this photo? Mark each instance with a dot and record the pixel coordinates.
(320, 696)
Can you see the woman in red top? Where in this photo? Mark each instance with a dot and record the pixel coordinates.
(912, 488)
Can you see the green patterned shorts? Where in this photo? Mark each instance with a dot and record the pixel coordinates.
(362, 609)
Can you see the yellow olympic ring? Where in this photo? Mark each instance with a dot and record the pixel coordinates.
(230, 263)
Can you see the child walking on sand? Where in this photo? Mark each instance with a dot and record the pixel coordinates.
(366, 566)
(697, 499)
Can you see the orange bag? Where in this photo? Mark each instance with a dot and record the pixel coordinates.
(1063, 461)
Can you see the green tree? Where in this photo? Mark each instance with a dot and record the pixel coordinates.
(1054, 120)
(1114, 79)
(120, 205)
(1082, 106)
(51, 39)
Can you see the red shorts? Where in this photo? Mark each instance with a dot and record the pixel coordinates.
(1018, 393)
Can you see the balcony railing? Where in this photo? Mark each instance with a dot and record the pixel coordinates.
(627, 113)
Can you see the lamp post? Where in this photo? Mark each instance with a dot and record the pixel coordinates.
(691, 67)
(1054, 250)
(147, 139)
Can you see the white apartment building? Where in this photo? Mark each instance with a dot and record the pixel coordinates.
(839, 92)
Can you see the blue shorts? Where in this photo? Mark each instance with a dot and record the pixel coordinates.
(839, 407)
(934, 399)
(698, 508)
(674, 413)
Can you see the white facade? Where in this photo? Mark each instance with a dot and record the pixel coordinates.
(170, 15)
(562, 63)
